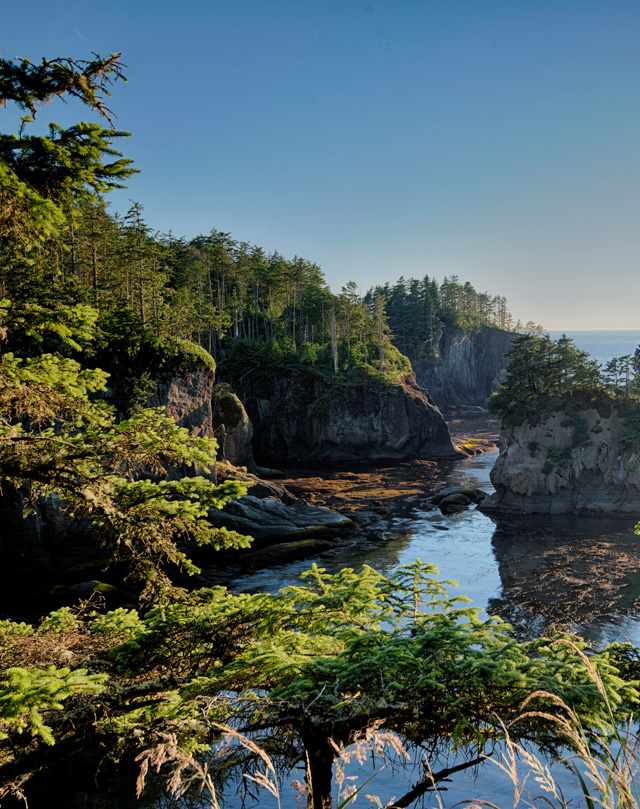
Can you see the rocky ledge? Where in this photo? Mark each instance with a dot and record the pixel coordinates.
(269, 520)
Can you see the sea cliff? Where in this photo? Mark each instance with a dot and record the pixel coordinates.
(570, 463)
(466, 366)
(307, 419)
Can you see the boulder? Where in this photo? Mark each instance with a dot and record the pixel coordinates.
(458, 494)
(268, 520)
(232, 428)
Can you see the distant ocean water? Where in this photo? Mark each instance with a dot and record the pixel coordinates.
(603, 345)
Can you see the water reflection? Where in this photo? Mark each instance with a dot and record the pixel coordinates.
(569, 573)
(537, 573)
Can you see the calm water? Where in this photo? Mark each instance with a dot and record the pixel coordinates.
(603, 345)
(582, 574)
(538, 574)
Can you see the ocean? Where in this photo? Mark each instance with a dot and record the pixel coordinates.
(603, 345)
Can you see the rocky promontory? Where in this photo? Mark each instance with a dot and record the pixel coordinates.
(568, 463)
(308, 419)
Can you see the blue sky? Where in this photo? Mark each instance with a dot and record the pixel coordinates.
(497, 140)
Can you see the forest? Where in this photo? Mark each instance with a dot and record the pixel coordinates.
(217, 291)
(290, 679)
(545, 375)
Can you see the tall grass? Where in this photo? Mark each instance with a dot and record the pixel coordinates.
(605, 763)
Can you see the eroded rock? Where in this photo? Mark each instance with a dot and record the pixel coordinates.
(268, 520)
(310, 420)
(541, 470)
(465, 366)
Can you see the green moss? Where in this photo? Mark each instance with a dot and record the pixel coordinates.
(227, 408)
(195, 357)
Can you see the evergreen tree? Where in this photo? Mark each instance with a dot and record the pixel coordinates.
(42, 175)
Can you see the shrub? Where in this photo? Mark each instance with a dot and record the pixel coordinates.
(559, 456)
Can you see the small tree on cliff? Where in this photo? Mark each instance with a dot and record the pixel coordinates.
(544, 375)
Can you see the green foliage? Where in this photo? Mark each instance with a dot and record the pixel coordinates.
(9, 630)
(629, 435)
(322, 660)
(119, 623)
(418, 310)
(55, 435)
(42, 175)
(547, 467)
(135, 359)
(59, 622)
(559, 456)
(573, 419)
(25, 694)
(544, 376)
(183, 355)
(533, 447)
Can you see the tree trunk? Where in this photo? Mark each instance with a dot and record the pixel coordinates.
(319, 768)
(334, 340)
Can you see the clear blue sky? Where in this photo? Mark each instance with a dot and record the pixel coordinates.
(497, 140)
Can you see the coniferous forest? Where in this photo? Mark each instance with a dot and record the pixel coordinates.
(217, 291)
(288, 679)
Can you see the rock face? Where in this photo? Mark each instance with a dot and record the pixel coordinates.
(232, 428)
(268, 520)
(310, 420)
(187, 397)
(467, 368)
(208, 411)
(540, 471)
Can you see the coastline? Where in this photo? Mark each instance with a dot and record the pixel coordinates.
(379, 490)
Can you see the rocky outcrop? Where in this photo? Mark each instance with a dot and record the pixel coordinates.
(268, 520)
(544, 469)
(232, 428)
(456, 498)
(207, 410)
(187, 398)
(466, 367)
(308, 419)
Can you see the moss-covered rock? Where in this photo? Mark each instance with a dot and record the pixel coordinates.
(232, 428)
(580, 466)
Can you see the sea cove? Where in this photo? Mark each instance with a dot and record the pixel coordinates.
(301, 503)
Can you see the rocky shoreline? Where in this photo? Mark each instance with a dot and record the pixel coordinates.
(368, 495)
